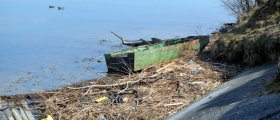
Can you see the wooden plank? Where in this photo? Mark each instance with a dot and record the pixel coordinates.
(9, 114)
(22, 113)
(29, 115)
(0, 103)
(2, 114)
(7, 111)
(27, 111)
(16, 114)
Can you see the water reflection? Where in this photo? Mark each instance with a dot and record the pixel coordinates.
(42, 49)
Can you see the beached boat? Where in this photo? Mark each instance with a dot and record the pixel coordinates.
(141, 57)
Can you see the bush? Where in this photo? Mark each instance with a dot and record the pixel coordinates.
(237, 7)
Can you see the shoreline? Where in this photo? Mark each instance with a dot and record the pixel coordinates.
(162, 86)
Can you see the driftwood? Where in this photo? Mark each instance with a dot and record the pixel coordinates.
(173, 104)
(115, 85)
(155, 93)
(136, 43)
(106, 86)
(164, 67)
(16, 114)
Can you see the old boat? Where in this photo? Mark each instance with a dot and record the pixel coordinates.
(141, 57)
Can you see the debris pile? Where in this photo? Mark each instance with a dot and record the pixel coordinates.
(155, 93)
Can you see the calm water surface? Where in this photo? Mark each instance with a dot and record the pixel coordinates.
(44, 48)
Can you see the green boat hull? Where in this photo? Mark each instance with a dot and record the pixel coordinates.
(142, 57)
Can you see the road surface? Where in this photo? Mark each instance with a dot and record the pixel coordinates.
(242, 98)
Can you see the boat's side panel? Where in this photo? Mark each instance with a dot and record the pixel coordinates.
(144, 56)
(120, 63)
(160, 53)
(203, 42)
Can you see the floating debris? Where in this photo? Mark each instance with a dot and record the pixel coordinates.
(155, 93)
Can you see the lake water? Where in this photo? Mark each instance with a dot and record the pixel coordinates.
(44, 48)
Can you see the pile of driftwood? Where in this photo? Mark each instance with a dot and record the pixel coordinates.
(155, 93)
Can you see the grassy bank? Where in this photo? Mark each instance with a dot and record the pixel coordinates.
(254, 40)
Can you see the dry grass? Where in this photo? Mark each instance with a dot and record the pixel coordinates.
(255, 40)
(155, 93)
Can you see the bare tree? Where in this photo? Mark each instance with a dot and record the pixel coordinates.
(237, 7)
(260, 2)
